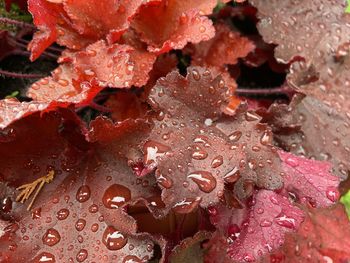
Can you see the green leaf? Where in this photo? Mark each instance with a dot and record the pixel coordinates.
(347, 10)
(12, 95)
(345, 200)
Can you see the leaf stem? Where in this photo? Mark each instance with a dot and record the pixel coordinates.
(10, 21)
(10, 74)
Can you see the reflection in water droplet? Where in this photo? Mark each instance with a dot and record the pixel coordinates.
(286, 221)
(132, 259)
(165, 182)
(80, 224)
(199, 154)
(232, 176)
(205, 180)
(44, 257)
(82, 255)
(62, 214)
(235, 136)
(113, 239)
(116, 196)
(83, 193)
(217, 161)
(51, 237)
(187, 205)
(332, 194)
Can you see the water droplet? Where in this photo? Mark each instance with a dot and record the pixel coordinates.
(199, 154)
(80, 224)
(163, 181)
(6, 205)
(116, 196)
(51, 237)
(248, 258)
(132, 259)
(217, 161)
(249, 116)
(265, 223)
(196, 75)
(232, 176)
(286, 221)
(83, 193)
(266, 137)
(233, 232)
(113, 239)
(44, 257)
(82, 255)
(187, 205)
(154, 150)
(332, 194)
(94, 227)
(292, 162)
(36, 213)
(62, 214)
(235, 136)
(205, 180)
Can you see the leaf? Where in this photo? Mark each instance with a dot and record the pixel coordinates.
(211, 151)
(322, 237)
(85, 26)
(295, 127)
(86, 72)
(345, 200)
(257, 229)
(87, 198)
(225, 48)
(309, 181)
(172, 24)
(289, 27)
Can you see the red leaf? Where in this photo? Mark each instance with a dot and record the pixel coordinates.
(225, 48)
(309, 181)
(323, 237)
(194, 153)
(88, 196)
(172, 24)
(257, 229)
(75, 24)
(53, 25)
(85, 73)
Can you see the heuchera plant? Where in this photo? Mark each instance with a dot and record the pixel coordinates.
(177, 131)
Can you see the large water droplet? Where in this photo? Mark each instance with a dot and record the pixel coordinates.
(187, 205)
(233, 232)
(154, 150)
(82, 255)
(232, 176)
(217, 161)
(44, 257)
(113, 239)
(332, 194)
(6, 205)
(116, 196)
(80, 224)
(235, 136)
(164, 181)
(292, 162)
(265, 223)
(286, 221)
(199, 154)
(205, 180)
(62, 214)
(51, 237)
(83, 193)
(132, 259)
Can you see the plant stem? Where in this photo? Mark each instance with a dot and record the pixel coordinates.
(10, 21)
(10, 74)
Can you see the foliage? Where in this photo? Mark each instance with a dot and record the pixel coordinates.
(156, 137)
